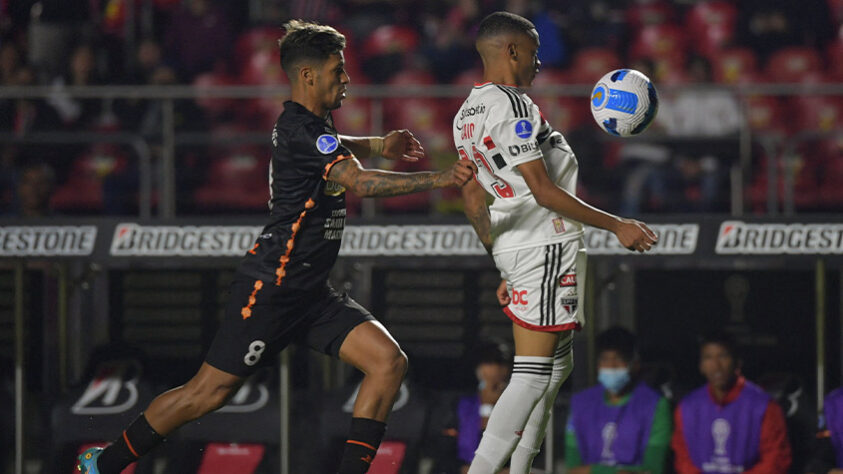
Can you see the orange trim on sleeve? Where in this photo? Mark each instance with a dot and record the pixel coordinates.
(129, 445)
(365, 445)
(331, 164)
(281, 271)
(246, 312)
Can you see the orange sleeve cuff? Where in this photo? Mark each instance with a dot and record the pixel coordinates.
(331, 164)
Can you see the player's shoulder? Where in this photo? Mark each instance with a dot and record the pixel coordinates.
(508, 101)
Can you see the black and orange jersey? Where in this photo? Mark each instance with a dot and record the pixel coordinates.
(299, 245)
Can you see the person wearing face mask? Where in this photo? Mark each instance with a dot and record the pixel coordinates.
(729, 424)
(620, 425)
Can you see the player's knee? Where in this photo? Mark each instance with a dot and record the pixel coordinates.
(200, 399)
(393, 364)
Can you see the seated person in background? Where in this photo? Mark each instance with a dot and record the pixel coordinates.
(730, 424)
(492, 367)
(36, 184)
(621, 425)
(828, 453)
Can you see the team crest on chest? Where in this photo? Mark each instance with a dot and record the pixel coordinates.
(327, 143)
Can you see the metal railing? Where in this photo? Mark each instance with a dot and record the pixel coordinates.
(778, 148)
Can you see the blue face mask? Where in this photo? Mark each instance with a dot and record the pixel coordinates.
(613, 380)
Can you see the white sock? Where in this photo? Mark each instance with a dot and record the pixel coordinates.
(530, 443)
(530, 378)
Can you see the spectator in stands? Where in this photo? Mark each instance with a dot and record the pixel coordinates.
(729, 424)
(10, 61)
(148, 60)
(681, 179)
(81, 71)
(620, 425)
(198, 38)
(34, 188)
(493, 362)
(457, 428)
(828, 452)
(26, 115)
(769, 25)
(446, 42)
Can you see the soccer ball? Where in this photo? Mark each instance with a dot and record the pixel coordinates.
(624, 102)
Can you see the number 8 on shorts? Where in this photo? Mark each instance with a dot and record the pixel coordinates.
(256, 348)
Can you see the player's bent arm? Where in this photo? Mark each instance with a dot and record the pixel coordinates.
(395, 145)
(632, 234)
(378, 183)
(474, 200)
(361, 146)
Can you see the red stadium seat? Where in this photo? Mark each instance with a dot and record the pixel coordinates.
(389, 39)
(659, 42)
(354, 117)
(83, 190)
(564, 113)
(734, 66)
(831, 188)
(236, 181)
(254, 40)
(213, 106)
(833, 55)
(711, 25)
(639, 15)
(790, 64)
(590, 64)
(419, 114)
(817, 113)
(766, 114)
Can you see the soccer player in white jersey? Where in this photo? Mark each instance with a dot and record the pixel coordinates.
(533, 230)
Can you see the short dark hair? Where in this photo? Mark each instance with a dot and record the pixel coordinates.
(721, 338)
(504, 22)
(492, 351)
(307, 41)
(620, 340)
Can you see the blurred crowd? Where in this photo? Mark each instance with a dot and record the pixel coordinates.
(61, 43)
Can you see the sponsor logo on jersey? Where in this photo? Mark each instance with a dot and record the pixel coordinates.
(132, 239)
(327, 143)
(568, 279)
(516, 150)
(738, 237)
(472, 111)
(559, 225)
(674, 239)
(523, 129)
(412, 240)
(334, 225)
(334, 189)
(53, 241)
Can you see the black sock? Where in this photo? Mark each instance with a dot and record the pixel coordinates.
(363, 441)
(138, 439)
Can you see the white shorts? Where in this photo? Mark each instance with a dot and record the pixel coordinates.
(545, 285)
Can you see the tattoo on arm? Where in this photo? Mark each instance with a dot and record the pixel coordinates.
(378, 183)
(478, 214)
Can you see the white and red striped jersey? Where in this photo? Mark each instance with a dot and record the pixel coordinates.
(499, 127)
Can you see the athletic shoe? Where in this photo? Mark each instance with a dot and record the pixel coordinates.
(88, 461)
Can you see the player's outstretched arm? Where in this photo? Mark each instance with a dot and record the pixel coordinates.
(474, 200)
(378, 183)
(632, 234)
(395, 145)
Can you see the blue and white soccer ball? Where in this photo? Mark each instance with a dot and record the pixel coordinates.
(624, 102)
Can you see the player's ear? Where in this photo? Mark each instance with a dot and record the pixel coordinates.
(512, 51)
(307, 75)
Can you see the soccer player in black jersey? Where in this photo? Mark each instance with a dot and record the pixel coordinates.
(280, 293)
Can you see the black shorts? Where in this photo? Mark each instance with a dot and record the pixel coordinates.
(261, 320)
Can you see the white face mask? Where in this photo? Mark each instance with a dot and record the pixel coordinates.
(613, 380)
